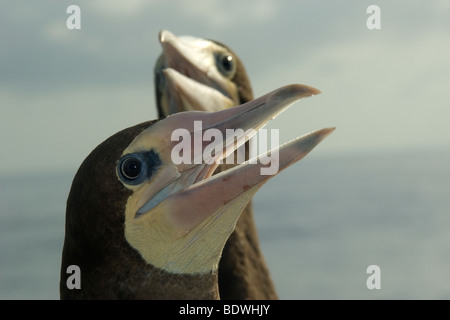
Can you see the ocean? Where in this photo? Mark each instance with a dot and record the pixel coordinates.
(321, 223)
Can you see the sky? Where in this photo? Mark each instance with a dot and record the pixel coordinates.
(62, 92)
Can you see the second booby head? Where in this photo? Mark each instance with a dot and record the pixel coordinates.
(140, 226)
(198, 74)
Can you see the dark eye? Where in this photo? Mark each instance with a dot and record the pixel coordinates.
(226, 64)
(131, 168)
(134, 168)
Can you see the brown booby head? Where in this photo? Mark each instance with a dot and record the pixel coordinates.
(141, 225)
(198, 74)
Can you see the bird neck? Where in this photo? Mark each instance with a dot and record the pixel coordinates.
(183, 286)
(125, 275)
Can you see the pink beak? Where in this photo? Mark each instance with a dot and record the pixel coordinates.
(228, 192)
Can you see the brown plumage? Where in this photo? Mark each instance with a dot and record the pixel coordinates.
(95, 240)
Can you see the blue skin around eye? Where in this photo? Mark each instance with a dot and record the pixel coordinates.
(150, 163)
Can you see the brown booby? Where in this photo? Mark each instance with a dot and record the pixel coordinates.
(199, 74)
(139, 226)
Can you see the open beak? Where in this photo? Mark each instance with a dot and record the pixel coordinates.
(195, 154)
(180, 218)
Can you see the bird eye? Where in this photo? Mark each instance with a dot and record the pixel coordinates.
(226, 64)
(130, 168)
(134, 168)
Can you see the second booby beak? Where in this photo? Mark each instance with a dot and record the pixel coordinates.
(192, 94)
(180, 216)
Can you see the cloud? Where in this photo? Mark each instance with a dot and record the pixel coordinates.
(372, 82)
(228, 13)
(118, 9)
(57, 130)
(379, 91)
